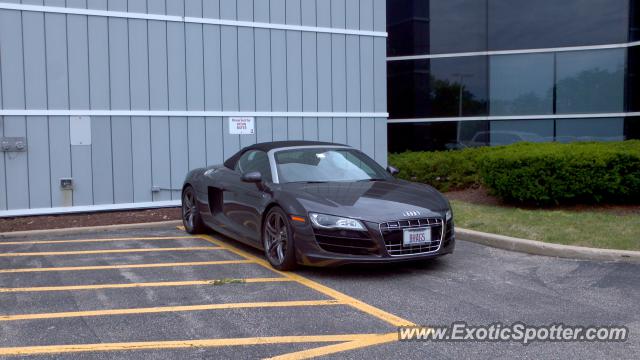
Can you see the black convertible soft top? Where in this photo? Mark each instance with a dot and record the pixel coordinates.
(268, 146)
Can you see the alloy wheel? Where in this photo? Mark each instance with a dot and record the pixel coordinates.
(188, 208)
(276, 237)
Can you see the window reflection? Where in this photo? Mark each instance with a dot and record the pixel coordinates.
(633, 79)
(407, 27)
(634, 20)
(632, 128)
(419, 27)
(521, 84)
(457, 25)
(437, 135)
(448, 87)
(432, 136)
(572, 130)
(527, 24)
(590, 81)
(513, 131)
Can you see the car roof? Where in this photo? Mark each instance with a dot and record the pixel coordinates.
(268, 146)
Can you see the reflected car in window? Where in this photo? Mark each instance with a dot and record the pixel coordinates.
(320, 204)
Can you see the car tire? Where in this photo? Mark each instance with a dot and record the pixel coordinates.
(277, 240)
(191, 218)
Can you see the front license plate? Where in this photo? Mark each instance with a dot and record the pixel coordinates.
(413, 237)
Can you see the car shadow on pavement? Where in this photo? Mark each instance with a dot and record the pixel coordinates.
(356, 271)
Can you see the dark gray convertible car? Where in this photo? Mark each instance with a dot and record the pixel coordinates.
(315, 203)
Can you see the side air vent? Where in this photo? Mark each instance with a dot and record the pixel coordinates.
(215, 200)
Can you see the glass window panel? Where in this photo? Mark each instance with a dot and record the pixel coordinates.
(590, 81)
(527, 24)
(633, 79)
(448, 87)
(634, 20)
(521, 84)
(418, 27)
(505, 132)
(437, 135)
(602, 129)
(457, 26)
(632, 128)
(407, 27)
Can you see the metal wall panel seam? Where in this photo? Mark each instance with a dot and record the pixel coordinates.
(4, 171)
(113, 182)
(186, 19)
(93, 190)
(133, 171)
(24, 94)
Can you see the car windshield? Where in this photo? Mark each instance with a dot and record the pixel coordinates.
(326, 165)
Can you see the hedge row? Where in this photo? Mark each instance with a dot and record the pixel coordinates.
(444, 170)
(541, 174)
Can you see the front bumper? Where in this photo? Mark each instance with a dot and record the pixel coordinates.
(310, 253)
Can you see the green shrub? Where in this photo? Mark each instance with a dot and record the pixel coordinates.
(553, 173)
(538, 174)
(444, 170)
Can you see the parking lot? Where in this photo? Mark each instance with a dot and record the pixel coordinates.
(159, 293)
(165, 290)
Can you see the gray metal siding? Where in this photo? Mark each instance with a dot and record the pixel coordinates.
(85, 62)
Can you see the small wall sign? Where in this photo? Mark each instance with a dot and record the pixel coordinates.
(241, 125)
(80, 130)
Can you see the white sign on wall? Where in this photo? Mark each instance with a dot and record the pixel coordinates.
(80, 130)
(241, 125)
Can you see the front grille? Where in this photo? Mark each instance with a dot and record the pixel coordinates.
(392, 235)
(345, 242)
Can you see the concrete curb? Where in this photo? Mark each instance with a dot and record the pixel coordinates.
(78, 230)
(546, 249)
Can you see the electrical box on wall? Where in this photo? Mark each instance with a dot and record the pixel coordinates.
(66, 184)
(13, 144)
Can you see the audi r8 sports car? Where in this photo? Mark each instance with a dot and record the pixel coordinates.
(316, 203)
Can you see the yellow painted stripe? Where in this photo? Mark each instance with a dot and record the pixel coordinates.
(180, 344)
(374, 339)
(162, 309)
(139, 285)
(96, 240)
(334, 294)
(109, 251)
(125, 266)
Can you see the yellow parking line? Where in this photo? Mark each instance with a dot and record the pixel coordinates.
(95, 240)
(142, 284)
(109, 251)
(370, 340)
(162, 309)
(125, 266)
(343, 298)
(179, 344)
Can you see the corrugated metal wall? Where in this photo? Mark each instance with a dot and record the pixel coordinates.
(54, 61)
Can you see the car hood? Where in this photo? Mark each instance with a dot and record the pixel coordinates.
(376, 201)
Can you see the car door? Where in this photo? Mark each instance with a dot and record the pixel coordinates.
(243, 202)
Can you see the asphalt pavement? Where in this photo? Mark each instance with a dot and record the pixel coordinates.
(159, 293)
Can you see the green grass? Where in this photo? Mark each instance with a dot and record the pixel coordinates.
(581, 228)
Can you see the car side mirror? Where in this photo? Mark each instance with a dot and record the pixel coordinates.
(252, 177)
(392, 170)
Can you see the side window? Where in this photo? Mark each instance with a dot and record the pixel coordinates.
(255, 160)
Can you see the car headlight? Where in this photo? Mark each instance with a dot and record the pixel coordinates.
(335, 222)
(448, 215)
